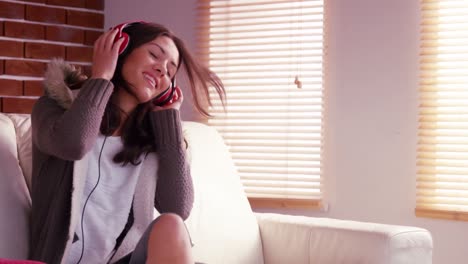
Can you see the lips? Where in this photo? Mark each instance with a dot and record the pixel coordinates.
(150, 79)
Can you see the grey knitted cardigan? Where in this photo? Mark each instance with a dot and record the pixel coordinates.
(64, 129)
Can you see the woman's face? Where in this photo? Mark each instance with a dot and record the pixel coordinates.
(150, 68)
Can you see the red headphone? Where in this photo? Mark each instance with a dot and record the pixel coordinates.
(125, 36)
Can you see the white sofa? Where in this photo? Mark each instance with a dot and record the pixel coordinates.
(222, 224)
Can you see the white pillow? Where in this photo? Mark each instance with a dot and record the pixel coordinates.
(15, 202)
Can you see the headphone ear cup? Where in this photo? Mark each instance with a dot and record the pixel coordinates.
(125, 36)
(121, 34)
(125, 42)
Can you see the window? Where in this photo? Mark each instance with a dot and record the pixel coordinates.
(442, 182)
(269, 55)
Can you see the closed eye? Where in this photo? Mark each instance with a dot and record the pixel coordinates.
(169, 74)
(153, 55)
(171, 71)
(156, 57)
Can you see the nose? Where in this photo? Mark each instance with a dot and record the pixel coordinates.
(160, 68)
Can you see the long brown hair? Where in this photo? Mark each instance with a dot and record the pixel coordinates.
(136, 131)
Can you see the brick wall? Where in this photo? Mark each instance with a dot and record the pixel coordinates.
(34, 31)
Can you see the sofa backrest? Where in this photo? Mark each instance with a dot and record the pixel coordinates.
(22, 124)
(222, 224)
(15, 201)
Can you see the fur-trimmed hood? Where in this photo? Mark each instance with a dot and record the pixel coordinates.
(61, 81)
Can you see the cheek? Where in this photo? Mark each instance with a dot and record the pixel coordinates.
(126, 72)
(166, 83)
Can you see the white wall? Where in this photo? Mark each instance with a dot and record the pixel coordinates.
(371, 120)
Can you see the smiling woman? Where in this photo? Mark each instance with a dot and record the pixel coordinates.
(110, 155)
(150, 68)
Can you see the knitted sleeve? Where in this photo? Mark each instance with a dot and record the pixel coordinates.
(174, 190)
(70, 133)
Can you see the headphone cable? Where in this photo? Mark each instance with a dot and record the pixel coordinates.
(84, 206)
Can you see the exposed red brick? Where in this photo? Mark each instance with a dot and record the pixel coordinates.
(24, 68)
(45, 14)
(95, 4)
(33, 88)
(11, 48)
(11, 10)
(2, 66)
(1, 28)
(91, 36)
(85, 19)
(36, 1)
(17, 105)
(11, 87)
(72, 3)
(1, 103)
(23, 30)
(65, 34)
(79, 54)
(43, 51)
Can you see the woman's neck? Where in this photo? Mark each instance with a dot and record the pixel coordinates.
(125, 101)
(126, 104)
(123, 118)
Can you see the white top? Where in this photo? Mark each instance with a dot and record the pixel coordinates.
(108, 207)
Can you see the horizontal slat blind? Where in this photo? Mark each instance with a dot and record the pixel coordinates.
(269, 56)
(442, 182)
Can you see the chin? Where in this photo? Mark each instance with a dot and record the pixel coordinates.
(144, 97)
(144, 100)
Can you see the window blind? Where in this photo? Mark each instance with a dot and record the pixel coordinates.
(442, 156)
(269, 55)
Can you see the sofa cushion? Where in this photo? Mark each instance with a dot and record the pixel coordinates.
(222, 224)
(15, 202)
(22, 124)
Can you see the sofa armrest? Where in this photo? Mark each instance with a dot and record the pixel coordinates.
(15, 202)
(300, 239)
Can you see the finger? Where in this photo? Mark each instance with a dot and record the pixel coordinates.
(98, 42)
(175, 96)
(99, 45)
(96, 48)
(116, 46)
(180, 95)
(109, 39)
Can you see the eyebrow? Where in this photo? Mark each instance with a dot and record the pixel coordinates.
(164, 52)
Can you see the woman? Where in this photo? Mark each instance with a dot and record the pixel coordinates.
(104, 158)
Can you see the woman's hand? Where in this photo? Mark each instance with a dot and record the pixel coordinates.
(174, 103)
(105, 55)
